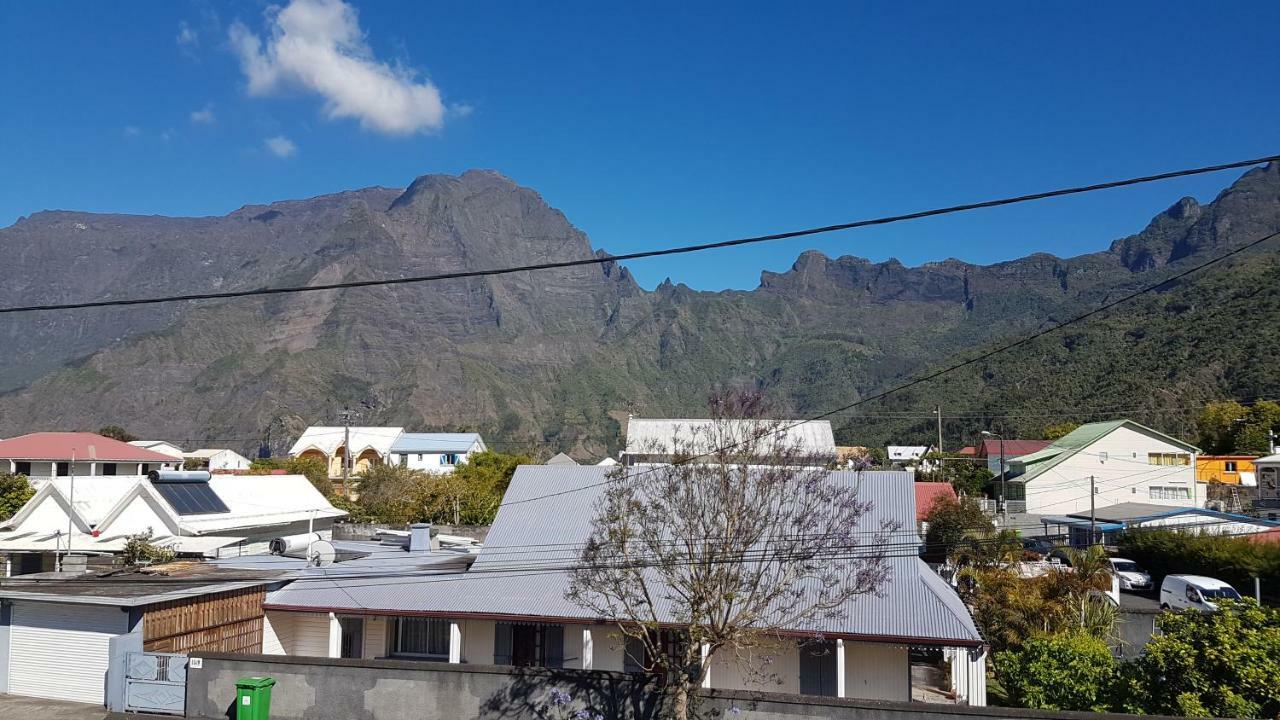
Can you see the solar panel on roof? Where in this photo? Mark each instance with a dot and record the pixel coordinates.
(191, 498)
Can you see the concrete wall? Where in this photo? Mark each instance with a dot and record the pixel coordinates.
(323, 689)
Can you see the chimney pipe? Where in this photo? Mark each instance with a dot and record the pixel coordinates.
(420, 538)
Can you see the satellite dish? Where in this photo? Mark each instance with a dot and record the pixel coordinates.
(322, 553)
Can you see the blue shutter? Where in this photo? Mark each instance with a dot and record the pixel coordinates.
(502, 644)
(553, 646)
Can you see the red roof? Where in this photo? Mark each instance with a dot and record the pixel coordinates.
(927, 493)
(1012, 448)
(968, 451)
(1268, 536)
(83, 446)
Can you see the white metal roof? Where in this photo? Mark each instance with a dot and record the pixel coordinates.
(650, 436)
(328, 439)
(549, 507)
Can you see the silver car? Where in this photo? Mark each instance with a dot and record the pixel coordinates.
(1130, 575)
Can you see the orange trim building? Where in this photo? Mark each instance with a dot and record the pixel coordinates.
(1225, 469)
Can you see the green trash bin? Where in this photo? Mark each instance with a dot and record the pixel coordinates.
(253, 698)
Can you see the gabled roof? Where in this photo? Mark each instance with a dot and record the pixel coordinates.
(328, 439)
(83, 446)
(437, 443)
(1082, 437)
(1012, 447)
(928, 493)
(551, 507)
(659, 436)
(206, 453)
(561, 459)
(161, 446)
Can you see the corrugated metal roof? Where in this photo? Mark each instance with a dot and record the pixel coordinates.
(1037, 463)
(84, 446)
(435, 442)
(545, 517)
(650, 436)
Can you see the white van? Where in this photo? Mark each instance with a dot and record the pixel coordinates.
(1197, 592)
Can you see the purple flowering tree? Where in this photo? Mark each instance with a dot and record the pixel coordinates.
(739, 544)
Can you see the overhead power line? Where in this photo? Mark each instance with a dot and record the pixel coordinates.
(678, 250)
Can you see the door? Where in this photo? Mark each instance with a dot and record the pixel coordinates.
(818, 668)
(61, 651)
(352, 637)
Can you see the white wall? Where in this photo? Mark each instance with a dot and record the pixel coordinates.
(477, 642)
(277, 632)
(1119, 464)
(874, 671)
(773, 669)
(429, 462)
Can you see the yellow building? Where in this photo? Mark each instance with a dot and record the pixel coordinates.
(1225, 469)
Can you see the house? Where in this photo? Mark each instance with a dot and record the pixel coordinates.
(194, 513)
(1123, 462)
(989, 450)
(216, 460)
(651, 440)
(64, 638)
(161, 446)
(561, 459)
(927, 494)
(499, 612)
(1227, 469)
(909, 456)
(45, 455)
(1113, 519)
(434, 452)
(369, 446)
(1268, 502)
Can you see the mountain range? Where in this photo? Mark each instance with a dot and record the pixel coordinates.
(555, 360)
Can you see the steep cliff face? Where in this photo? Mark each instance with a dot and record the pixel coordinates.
(550, 358)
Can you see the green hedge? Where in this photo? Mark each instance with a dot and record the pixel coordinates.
(1236, 560)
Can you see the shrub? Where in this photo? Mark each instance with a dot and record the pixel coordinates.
(1069, 671)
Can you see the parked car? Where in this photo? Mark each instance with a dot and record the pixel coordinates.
(1197, 592)
(1130, 575)
(1037, 545)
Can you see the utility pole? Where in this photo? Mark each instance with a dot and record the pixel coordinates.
(346, 449)
(938, 412)
(1093, 522)
(1000, 500)
(71, 473)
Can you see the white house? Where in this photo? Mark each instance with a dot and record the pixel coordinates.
(434, 452)
(161, 446)
(369, 446)
(1124, 461)
(45, 455)
(217, 459)
(196, 514)
(498, 612)
(652, 440)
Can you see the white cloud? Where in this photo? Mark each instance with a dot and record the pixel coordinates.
(281, 146)
(187, 35)
(318, 45)
(132, 131)
(203, 117)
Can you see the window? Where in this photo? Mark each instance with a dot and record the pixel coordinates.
(22, 468)
(1102, 456)
(146, 468)
(1168, 459)
(419, 457)
(404, 461)
(449, 459)
(1192, 595)
(1156, 492)
(1230, 466)
(108, 468)
(528, 645)
(420, 638)
(636, 657)
(62, 469)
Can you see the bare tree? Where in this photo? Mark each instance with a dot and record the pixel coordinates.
(739, 544)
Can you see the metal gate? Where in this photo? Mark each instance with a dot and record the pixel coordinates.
(155, 683)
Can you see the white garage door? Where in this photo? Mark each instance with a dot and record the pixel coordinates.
(60, 651)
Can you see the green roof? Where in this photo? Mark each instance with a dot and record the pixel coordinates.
(1037, 463)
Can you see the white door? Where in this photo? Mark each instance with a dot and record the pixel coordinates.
(60, 651)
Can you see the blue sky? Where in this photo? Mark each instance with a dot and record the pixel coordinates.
(648, 124)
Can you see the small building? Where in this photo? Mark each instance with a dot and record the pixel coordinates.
(196, 514)
(369, 446)
(1268, 503)
(163, 447)
(989, 450)
(42, 456)
(1227, 469)
(434, 452)
(650, 440)
(215, 460)
(1120, 460)
(65, 638)
(495, 613)
(561, 459)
